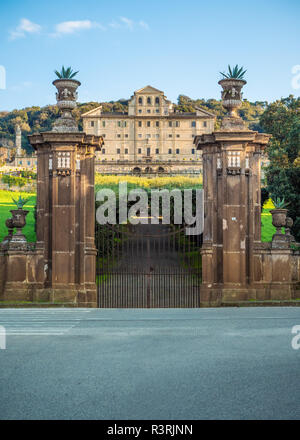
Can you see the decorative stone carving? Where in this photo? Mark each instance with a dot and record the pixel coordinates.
(279, 221)
(66, 97)
(18, 222)
(10, 226)
(288, 224)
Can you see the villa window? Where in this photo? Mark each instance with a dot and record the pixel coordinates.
(177, 135)
(170, 123)
(148, 111)
(148, 123)
(193, 150)
(140, 123)
(139, 151)
(92, 123)
(119, 123)
(170, 151)
(126, 135)
(139, 135)
(140, 111)
(157, 123)
(177, 124)
(148, 135)
(118, 151)
(156, 100)
(177, 151)
(193, 124)
(103, 123)
(170, 135)
(205, 124)
(149, 100)
(126, 150)
(157, 151)
(118, 135)
(140, 101)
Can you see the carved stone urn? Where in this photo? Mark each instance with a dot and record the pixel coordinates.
(278, 219)
(232, 99)
(18, 222)
(232, 94)
(66, 97)
(9, 223)
(288, 224)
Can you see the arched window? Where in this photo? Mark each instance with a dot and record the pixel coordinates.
(149, 100)
(157, 100)
(140, 100)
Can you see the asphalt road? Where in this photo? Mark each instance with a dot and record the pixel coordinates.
(229, 363)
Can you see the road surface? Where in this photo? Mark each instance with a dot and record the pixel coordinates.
(225, 363)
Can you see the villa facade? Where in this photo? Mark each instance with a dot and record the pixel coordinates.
(150, 132)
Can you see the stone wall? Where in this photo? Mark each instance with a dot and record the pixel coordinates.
(22, 274)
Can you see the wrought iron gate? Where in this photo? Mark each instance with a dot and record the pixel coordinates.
(141, 266)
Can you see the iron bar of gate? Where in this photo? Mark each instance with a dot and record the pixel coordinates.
(125, 276)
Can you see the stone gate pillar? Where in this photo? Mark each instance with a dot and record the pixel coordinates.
(232, 210)
(66, 204)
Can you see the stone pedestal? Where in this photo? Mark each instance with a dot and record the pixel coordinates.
(66, 214)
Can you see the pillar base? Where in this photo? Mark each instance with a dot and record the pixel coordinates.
(216, 296)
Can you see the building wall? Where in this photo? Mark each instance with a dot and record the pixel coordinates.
(150, 130)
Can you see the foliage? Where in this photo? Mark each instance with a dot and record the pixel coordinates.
(250, 112)
(65, 73)
(28, 174)
(14, 180)
(234, 73)
(279, 203)
(34, 119)
(264, 196)
(282, 119)
(146, 182)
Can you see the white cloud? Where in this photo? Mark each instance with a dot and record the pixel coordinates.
(144, 25)
(114, 25)
(70, 27)
(25, 27)
(128, 23)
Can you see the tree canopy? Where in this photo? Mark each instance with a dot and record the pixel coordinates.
(33, 119)
(282, 119)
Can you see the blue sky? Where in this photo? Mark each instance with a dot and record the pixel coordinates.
(122, 45)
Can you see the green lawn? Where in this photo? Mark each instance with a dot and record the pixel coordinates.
(6, 204)
(267, 229)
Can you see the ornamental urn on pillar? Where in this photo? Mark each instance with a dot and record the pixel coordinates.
(66, 97)
(232, 212)
(66, 201)
(232, 84)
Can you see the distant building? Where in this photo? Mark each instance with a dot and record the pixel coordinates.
(21, 160)
(151, 136)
